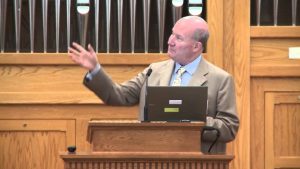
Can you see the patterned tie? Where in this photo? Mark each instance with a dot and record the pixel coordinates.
(177, 80)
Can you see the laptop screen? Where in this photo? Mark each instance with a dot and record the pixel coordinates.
(170, 103)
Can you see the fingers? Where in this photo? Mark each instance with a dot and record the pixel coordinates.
(91, 49)
(74, 54)
(73, 51)
(92, 53)
(74, 57)
(77, 50)
(78, 47)
(85, 58)
(93, 59)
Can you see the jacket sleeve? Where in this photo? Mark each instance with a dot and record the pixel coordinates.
(111, 93)
(226, 119)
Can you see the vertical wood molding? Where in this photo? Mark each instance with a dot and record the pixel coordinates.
(241, 64)
(269, 139)
(215, 22)
(236, 59)
(228, 53)
(81, 135)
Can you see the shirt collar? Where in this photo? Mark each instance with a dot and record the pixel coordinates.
(191, 67)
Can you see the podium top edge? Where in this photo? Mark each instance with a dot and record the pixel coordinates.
(129, 123)
(146, 155)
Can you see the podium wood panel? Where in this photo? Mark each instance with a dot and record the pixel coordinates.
(131, 145)
(145, 160)
(144, 137)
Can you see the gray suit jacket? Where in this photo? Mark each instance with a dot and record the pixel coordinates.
(221, 96)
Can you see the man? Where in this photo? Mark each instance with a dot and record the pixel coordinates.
(185, 45)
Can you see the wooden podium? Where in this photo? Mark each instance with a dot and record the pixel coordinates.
(135, 145)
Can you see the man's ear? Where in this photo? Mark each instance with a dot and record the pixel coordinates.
(198, 46)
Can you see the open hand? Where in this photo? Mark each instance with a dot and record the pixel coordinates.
(85, 58)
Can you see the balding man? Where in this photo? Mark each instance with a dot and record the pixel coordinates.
(185, 46)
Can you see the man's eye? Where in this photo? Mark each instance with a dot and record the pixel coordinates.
(179, 38)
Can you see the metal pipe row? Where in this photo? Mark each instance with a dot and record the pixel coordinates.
(83, 9)
(68, 6)
(177, 9)
(57, 26)
(146, 7)
(17, 10)
(31, 23)
(275, 12)
(97, 25)
(108, 11)
(294, 12)
(45, 23)
(3, 5)
(132, 23)
(275, 7)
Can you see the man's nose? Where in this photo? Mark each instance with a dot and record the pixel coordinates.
(171, 41)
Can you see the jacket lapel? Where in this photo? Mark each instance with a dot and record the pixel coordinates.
(199, 78)
(166, 73)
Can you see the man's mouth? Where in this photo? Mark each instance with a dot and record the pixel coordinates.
(171, 50)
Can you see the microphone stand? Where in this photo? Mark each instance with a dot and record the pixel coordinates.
(146, 100)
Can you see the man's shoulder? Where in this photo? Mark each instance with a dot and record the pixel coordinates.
(160, 64)
(214, 69)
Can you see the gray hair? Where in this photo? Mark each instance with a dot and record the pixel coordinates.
(201, 35)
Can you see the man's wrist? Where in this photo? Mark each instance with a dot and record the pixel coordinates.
(93, 72)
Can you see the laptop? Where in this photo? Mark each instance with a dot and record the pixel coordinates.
(176, 104)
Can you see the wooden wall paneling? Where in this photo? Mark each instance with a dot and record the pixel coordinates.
(81, 113)
(81, 134)
(55, 78)
(275, 31)
(272, 51)
(53, 84)
(63, 58)
(235, 59)
(228, 52)
(215, 22)
(257, 125)
(241, 67)
(259, 88)
(34, 144)
(270, 57)
(282, 147)
(67, 126)
(67, 111)
(228, 40)
(233, 32)
(48, 85)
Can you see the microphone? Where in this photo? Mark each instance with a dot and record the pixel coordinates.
(148, 73)
(146, 100)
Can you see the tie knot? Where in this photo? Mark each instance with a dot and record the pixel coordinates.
(180, 71)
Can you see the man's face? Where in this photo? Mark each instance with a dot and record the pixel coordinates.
(180, 43)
